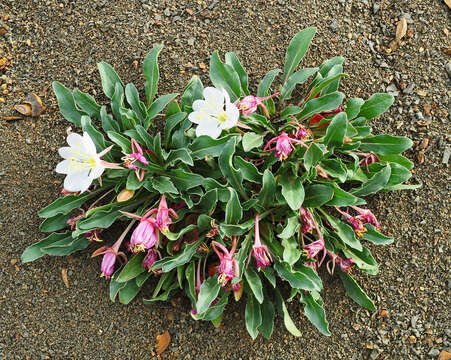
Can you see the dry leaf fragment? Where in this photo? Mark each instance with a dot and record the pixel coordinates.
(31, 107)
(3, 63)
(24, 109)
(445, 355)
(447, 51)
(64, 276)
(202, 66)
(401, 29)
(11, 118)
(448, 2)
(163, 341)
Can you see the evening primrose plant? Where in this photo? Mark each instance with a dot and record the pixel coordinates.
(242, 195)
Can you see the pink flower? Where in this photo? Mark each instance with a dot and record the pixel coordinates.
(72, 222)
(250, 103)
(345, 264)
(163, 220)
(284, 145)
(355, 222)
(368, 159)
(261, 253)
(93, 235)
(301, 133)
(367, 217)
(314, 248)
(145, 235)
(228, 266)
(137, 154)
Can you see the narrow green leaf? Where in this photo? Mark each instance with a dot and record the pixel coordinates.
(291, 228)
(353, 107)
(267, 326)
(376, 105)
(343, 198)
(151, 73)
(375, 183)
(86, 103)
(132, 268)
(255, 283)
(66, 103)
(292, 190)
(66, 204)
(209, 290)
(303, 279)
(374, 236)
(224, 76)
(232, 60)
(55, 223)
(344, 231)
(313, 155)
(233, 211)
(234, 176)
(33, 252)
(315, 313)
(265, 85)
(323, 103)
(386, 144)
(268, 190)
(109, 78)
(336, 131)
(354, 291)
(298, 77)
(128, 292)
(170, 125)
(132, 96)
(249, 171)
(163, 185)
(253, 316)
(335, 168)
(291, 251)
(317, 195)
(171, 262)
(193, 91)
(283, 312)
(156, 107)
(251, 140)
(206, 146)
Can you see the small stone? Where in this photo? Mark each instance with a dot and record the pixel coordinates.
(434, 352)
(376, 7)
(446, 155)
(167, 12)
(191, 41)
(177, 18)
(413, 321)
(333, 25)
(419, 115)
(28, 141)
(448, 68)
(409, 88)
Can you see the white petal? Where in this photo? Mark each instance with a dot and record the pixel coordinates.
(89, 144)
(199, 105)
(96, 172)
(198, 116)
(233, 115)
(66, 152)
(226, 96)
(77, 181)
(64, 167)
(74, 140)
(210, 128)
(213, 95)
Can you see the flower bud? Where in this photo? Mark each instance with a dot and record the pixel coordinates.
(125, 195)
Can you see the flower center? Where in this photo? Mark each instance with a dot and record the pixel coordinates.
(222, 117)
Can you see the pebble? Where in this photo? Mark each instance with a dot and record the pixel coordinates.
(376, 7)
(434, 352)
(413, 321)
(448, 68)
(191, 41)
(333, 25)
(446, 155)
(409, 88)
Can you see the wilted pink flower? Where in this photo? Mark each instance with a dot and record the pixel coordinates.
(368, 159)
(314, 248)
(93, 235)
(145, 235)
(110, 255)
(163, 220)
(72, 222)
(345, 264)
(261, 253)
(367, 217)
(284, 145)
(236, 287)
(249, 104)
(228, 266)
(356, 223)
(137, 154)
(307, 220)
(301, 132)
(150, 258)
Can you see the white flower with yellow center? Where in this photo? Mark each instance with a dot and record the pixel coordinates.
(214, 114)
(81, 162)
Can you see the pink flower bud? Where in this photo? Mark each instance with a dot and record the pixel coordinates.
(144, 236)
(248, 105)
(261, 253)
(149, 259)
(107, 266)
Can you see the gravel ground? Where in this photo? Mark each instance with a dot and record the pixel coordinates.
(63, 40)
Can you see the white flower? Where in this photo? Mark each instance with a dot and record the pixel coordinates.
(214, 114)
(82, 164)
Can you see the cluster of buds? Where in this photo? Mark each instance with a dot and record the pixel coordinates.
(150, 258)
(136, 155)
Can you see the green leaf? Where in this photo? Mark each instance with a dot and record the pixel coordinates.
(313, 155)
(296, 50)
(317, 195)
(335, 168)
(344, 231)
(385, 144)
(323, 103)
(303, 279)
(132, 96)
(55, 223)
(399, 159)
(163, 185)
(292, 190)
(353, 106)
(108, 123)
(283, 312)
(253, 316)
(209, 290)
(290, 229)
(224, 76)
(142, 278)
(375, 183)
(109, 78)
(190, 275)
(66, 103)
(207, 203)
(232, 60)
(175, 236)
(270, 276)
(336, 131)
(185, 180)
(206, 146)
(66, 204)
(267, 192)
(235, 230)
(33, 252)
(267, 326)
(343, 198)
(86, 103)
(315, 313)
(255, 283)
(121, 141)
(157, 107)
(128, 292)
(265, 85)
(376, 105)
(171, 123)
(234, 176)
(398, 174)
(133, 182)
(249, 171)
(298, 77)
(66, 246)
(171, 262)
(363, 259)
(115, 286)
(354, 291)
(374, 236)
(233, 211)
(182, 155)
(132, 268)
(151, 73)
(402, 187)
(251, 140)
(291, 252)
(193, 91)
(330, 81)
